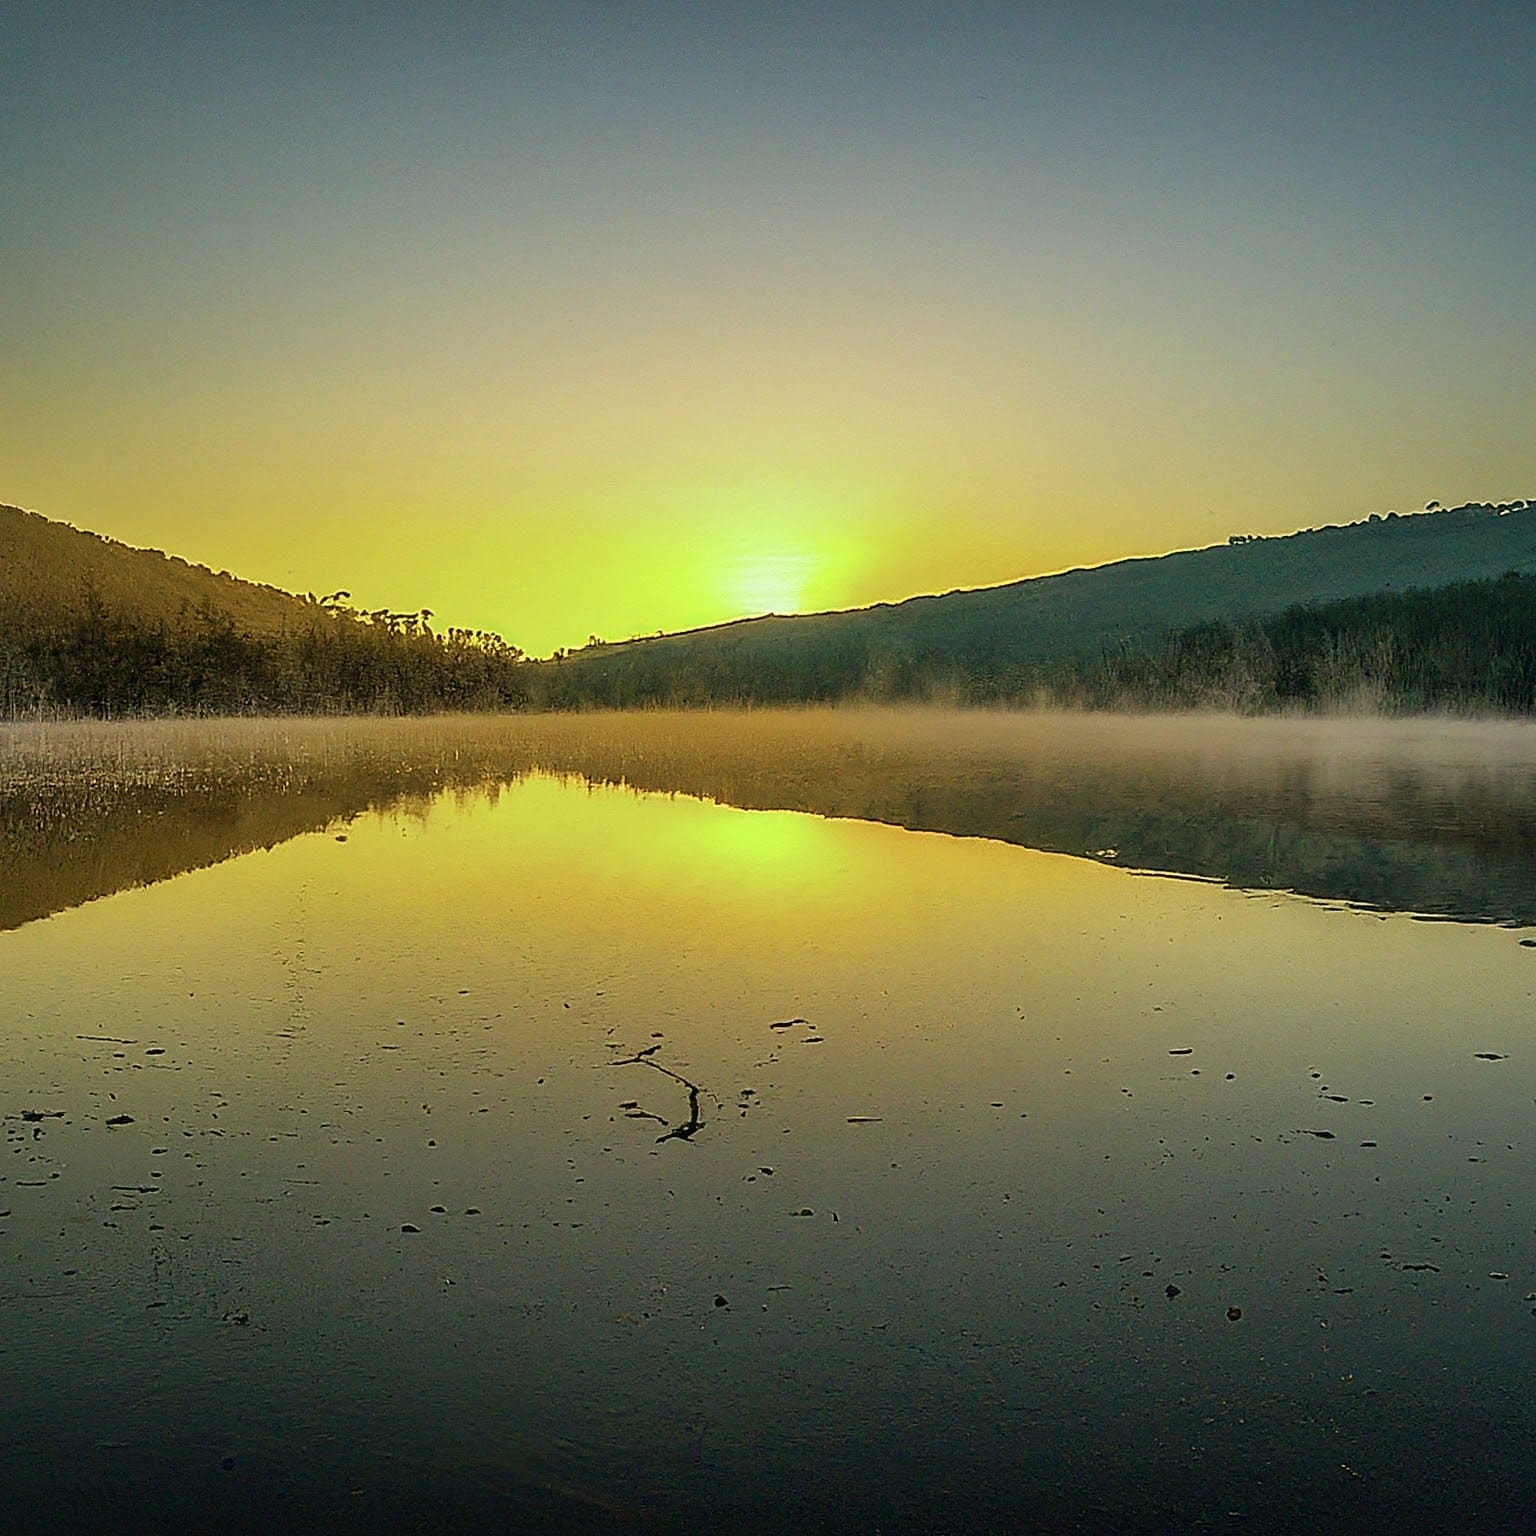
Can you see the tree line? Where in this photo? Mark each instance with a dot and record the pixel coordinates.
(87, 658)
(1469, 646)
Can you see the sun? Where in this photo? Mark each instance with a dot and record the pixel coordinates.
(775, 583)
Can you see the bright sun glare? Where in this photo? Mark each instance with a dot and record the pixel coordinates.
(772, 583)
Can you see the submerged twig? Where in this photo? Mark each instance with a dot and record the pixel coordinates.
(690, 1127)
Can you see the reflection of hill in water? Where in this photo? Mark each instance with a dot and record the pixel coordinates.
(1409, 817)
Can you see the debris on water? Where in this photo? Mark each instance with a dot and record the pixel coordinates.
(1321, 1135)
(1491, 1055)
(720, 1301)
(1528, 943)
(1432, 1268)
(1234, 1314)
(695, 1121)
(804, 1210)
(1182, 1050)
(407, 1227)
(120, 1120)
(32, 1116)
(1171, 1290)
(865, 1119)
(786, 1023)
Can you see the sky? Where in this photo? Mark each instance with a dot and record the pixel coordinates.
(605, 318)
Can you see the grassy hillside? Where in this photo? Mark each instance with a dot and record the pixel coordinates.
(88, 626)
(45, 567)
(1469, 646)
(92, 627)
(992, 642)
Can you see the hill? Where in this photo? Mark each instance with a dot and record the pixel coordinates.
(90, 626)
(1466, 647)
(993, 642)
(45, 566)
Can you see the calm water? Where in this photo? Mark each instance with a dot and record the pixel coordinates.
(475, 1124)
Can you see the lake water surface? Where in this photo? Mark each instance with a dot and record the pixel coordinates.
(768, 1122)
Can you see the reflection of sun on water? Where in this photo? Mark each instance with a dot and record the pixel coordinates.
(772, 583)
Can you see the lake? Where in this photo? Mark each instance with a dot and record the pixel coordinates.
(768, 1121)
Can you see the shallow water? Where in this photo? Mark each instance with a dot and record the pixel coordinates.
(506, 1145)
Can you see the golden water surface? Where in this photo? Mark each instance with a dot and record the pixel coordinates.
(493, 1122)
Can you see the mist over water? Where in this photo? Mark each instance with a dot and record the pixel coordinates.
(628, 1122)
(1430, 816)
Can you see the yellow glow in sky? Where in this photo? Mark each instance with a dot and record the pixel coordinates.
(620, 323)
(772, 583)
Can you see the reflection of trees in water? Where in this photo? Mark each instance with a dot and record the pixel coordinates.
(1401, 818)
